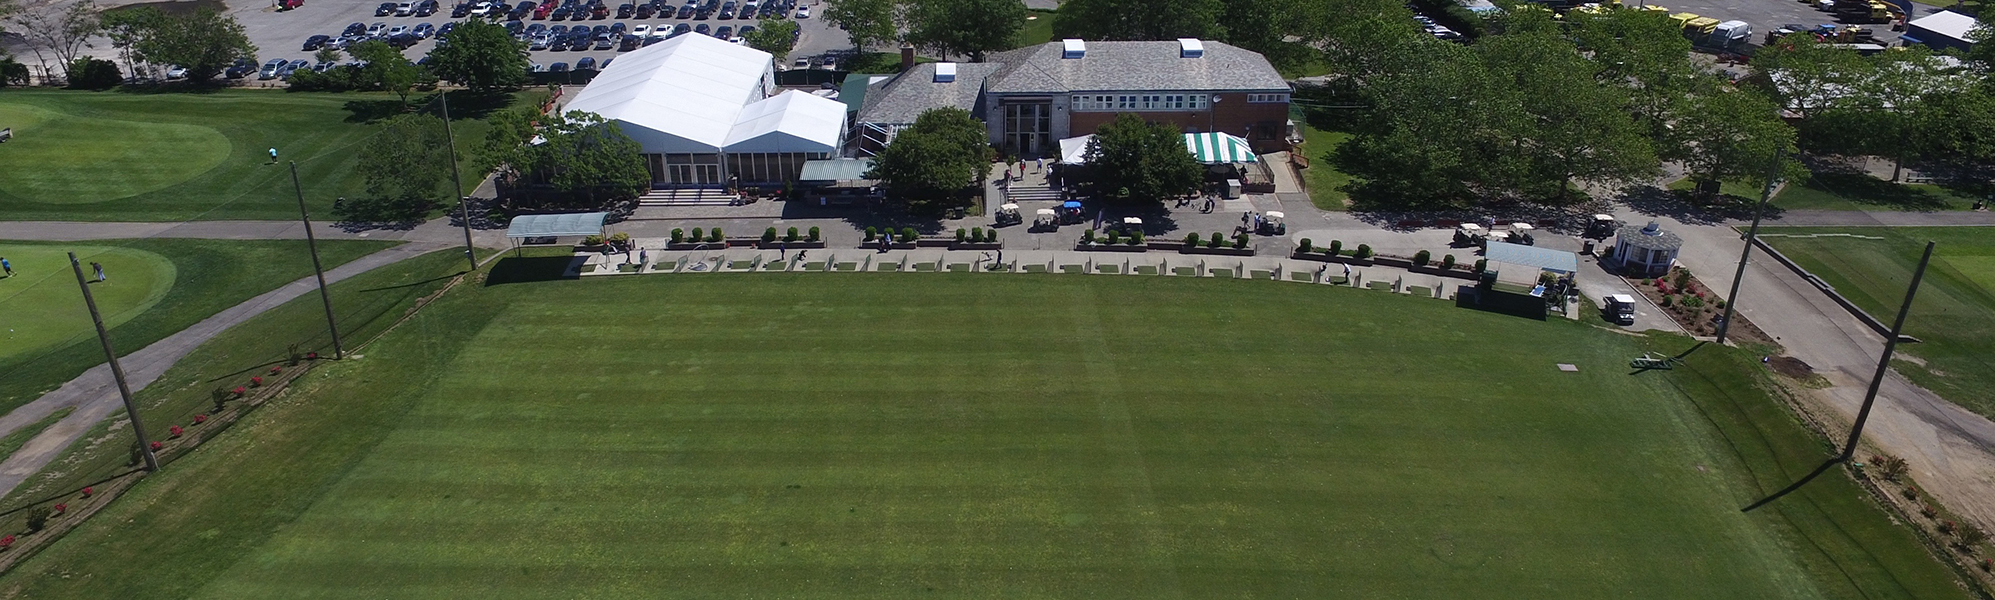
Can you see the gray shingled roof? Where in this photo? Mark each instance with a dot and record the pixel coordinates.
(1640, 237)
(906, 96)
(1132, 66)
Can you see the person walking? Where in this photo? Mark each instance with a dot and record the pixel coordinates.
(643, 258)
(6, 266)
(273, 156)
(99, 268)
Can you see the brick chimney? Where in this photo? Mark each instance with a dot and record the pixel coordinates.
(907, 57)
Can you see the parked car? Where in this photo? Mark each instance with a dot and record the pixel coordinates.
(588, 63)
(681, 29)
(646, 11)
(386, 9)
(405, 9)
(463, 9)
(629, 42)
(536, 68)
(481, 9)
(423, 31)
(446, 29)
(626, 10)
(271, 68)
(560, 67)
(641, 30)
(425, 8)
(242, 68)
(725, 31)
(561, 13)
(703, 29)
(353, 29)
(686, 12)
(293, 66)
(539, 42)
(316, 42)
(803, 13)
(745, 30)
(397, 30)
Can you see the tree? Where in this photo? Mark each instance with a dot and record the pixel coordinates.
(579, 155)
(12, 72)
(1274, 28)
(481, 55)
(205, 42)
(1645, 53)
(93, 74)
(1732, 134)
(328, 55)
(1133, 161)
(387, 68)
(406, 165)
(970, 27)
(1137, 19)
(62, 31)
(125, 26)
(774, 36)
(1567, 126)
(943, 152)
(867, 22)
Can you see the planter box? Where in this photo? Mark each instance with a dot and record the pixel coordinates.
(1435, 269)
(1393, 261)
(1229, 250)
(894, 245)
(796, 245)
(1342, 259)
(1171, 246)
(1110, 248)
(696, 246)
(934, 242)
(978, 246)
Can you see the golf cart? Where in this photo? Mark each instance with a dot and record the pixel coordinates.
(1601, 227)
(1070, 212)
(1620, 309)
(1045, 219)
(1132, 226)
(1469, 234)
(1007, 215)
(1272, 223)
(1520, 233)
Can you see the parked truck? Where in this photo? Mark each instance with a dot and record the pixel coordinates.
(1620, 309)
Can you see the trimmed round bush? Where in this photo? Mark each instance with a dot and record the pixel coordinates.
(699, 235)
(715, 235)
(1481, 264)
(1087, 237)
(977, 234)
(871, 232)
(1114, 237)
(1240, 242)
(1191, 239)
(769, 235)
(1303, 247)
(962, 235)
(791, 235)
(1136, 238)
(678, 235)
(813, 234)
(1215, 241)
(1420, 258)
(1447, 262)
(1364, 251)
(1336, 247)
(908, 235)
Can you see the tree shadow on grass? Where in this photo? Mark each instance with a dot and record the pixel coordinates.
(1500, 302)
(1685, 206)
(1863, 189)
(369, 111)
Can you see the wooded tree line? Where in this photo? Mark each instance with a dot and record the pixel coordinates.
(1909, 105)
(204, 41)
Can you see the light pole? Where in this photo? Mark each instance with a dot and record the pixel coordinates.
(456, 179)
(117, 370)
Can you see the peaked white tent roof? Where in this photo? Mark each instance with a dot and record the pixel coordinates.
(792, 121)
(686, 92)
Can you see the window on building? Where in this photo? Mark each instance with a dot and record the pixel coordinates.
(1129, 102)
(1267, 98)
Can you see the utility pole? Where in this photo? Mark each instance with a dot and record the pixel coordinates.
(117, 370)
(1752, 234)
(463, 204)
(312, 242)
(1883, 363)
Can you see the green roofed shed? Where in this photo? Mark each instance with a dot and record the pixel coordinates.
(569, 224)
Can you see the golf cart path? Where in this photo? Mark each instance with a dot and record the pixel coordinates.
(1950, 449)
(94, 394)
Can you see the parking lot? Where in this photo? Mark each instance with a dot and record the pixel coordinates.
(1768, 15)
(282, 34)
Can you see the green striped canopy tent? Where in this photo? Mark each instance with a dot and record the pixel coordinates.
(1219, 147)
(1209, 148)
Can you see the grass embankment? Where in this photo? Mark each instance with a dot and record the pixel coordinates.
(202, 278)
(1325, 182)
(1953, 316)
(1131, 437)
(133, 156)
(365, 305)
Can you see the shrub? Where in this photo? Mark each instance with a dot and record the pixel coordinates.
(174, 431)
(1971, 536)
(620, 238)
(1666, 301)
(1946, 527)
(977, 234)
(220, 397)
(678, 235)
(871, 232)
(1336, 247)
(1135, 238)
(1927, 511)
(1114, 237)
(158, 445)
(1987, 564)
(276, 370)
(1087, 237)
(86, 491)
(699, 235)
(769, 235)
(6, 542)
(61, 508)
(1607, 252)
(1910, 492)
(962, 235)
(1481, 264)
(1720, 303)
(199, 419)
(256, 381)
(1420, 258)
(594, 240)
(790, 235)
(1240, 241)
(908, 235)
(715, 235)
(1191, 240)
(1364, 251)
(813, 234)
(1215, 241)
(1682, 278)
(38, 518)
(94, 74)
(1303, 247)
(990, 237)
(1447, 262)
(239, 391)
(1693, 301)
(291, 355)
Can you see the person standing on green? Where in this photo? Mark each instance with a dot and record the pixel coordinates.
(6, 266)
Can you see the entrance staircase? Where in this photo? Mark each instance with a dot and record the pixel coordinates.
(1020, 192)
(687, 197)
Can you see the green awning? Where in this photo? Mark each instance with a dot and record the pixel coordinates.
(571, 224)
(1219, 147)
(840, 169)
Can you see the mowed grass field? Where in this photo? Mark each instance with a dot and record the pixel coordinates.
(1953, 315)
(117, 156)
(814, 435)
(155, 288)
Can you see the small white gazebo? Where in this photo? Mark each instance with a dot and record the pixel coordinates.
(1646, 251)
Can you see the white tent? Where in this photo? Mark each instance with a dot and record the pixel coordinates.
(792, 121)
(694, 94)
(1210, 148)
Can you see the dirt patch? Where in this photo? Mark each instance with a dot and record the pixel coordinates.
(1791, 367)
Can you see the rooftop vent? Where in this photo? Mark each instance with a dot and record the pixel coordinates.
(1190, 48)
(1073, 48)
(945, 72)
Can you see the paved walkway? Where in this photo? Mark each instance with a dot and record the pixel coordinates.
(1856, 218)
(95, 394)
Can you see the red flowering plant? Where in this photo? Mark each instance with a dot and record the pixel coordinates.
(6, 542)
(256, 381)
(199, 419)
(174, 430)
(86, 492)
(312, 355)
(156, 446)
(240, 391)
(276, 370)
(61, 508)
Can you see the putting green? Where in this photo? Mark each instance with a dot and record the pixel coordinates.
(68, 159)
(40, 307)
